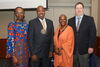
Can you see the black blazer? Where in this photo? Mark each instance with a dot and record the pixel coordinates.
(85, 37)
(40, 44)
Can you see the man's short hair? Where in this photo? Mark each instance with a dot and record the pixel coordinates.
(79, 3)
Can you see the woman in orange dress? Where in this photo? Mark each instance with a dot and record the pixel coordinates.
(63, 44)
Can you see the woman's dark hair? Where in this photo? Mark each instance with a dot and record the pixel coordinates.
(17, 8)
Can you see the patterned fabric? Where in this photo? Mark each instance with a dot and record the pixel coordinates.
(17, 43)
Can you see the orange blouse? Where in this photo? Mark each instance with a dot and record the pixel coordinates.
(66, 42)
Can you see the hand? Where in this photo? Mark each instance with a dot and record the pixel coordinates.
(58, 51)
(8, 56)
(34, 58)
(50, 54)
(90, 50)
(15, 61)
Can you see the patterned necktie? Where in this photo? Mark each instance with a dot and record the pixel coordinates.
(78, 23)
(43, 25)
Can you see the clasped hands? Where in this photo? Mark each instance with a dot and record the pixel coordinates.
(14, 59)
(58, 51)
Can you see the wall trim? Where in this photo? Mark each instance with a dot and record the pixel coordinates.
(65, 4)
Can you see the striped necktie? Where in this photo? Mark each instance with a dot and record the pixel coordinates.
(78, 23)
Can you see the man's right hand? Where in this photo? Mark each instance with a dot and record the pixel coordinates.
(34, 58)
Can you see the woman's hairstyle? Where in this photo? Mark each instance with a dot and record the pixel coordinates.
(17, 8)
(15, 12)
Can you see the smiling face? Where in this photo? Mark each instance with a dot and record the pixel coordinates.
(79, 10)
(41, 12)
(19, 13)
(63, 20)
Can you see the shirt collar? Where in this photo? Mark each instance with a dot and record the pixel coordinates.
(79, 16)
(42, 20)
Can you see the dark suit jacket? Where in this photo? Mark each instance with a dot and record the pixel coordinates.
(86, 36)
(40, 44)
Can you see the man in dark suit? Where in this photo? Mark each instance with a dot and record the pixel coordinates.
(85, 35)
(41, 33)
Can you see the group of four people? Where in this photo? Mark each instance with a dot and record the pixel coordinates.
(72, 41)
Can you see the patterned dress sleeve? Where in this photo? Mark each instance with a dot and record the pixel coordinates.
(10, 41)
(27, 36)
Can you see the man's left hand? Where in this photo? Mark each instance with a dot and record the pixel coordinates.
(90, 50)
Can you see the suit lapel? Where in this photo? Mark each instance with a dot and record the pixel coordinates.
(82, 23)
(39, 24)
(47, 23)
(74, 24)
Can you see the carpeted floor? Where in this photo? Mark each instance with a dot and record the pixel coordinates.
(6, 63)
(98, 61)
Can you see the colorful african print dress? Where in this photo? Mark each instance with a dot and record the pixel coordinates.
(17, 43)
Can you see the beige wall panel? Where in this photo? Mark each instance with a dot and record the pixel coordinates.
(55, 8)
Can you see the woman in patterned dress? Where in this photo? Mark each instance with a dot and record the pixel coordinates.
(17, 46)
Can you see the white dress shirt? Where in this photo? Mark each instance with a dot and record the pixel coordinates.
(43, 22)
(76, 18)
